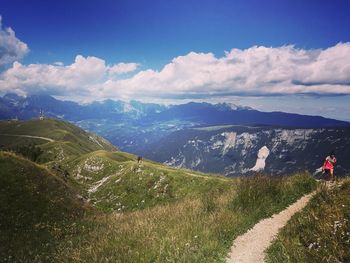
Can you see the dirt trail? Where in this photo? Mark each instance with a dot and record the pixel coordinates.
(250, 246)
(29, 136)
(208, 177)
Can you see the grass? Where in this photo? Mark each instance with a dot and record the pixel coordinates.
(320, 233)
(42, 219)
(124, 185)
(35, 208)
(263, 196)
(199, 228)
(11, 142)
(140, 212)
(58, 151)
(70, 140)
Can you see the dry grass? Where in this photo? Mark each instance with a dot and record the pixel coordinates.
(39, 220)
(197, 229)
(320, 233)
(180, 232)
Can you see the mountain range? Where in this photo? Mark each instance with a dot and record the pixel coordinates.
(221, 138)
(12, 105)
(237, 150)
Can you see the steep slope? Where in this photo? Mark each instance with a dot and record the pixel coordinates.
(111, 181)
(58, 139)
(35, 208)
(114, 181)
(235, 150)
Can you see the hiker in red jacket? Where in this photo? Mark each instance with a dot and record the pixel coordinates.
(328, 166)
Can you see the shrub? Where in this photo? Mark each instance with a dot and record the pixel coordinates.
(32, 152)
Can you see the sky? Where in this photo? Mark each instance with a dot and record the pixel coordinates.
(291, 56)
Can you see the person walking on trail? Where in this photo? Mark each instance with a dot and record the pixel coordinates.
(328, 167)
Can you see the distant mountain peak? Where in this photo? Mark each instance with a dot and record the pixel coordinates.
(232, 106)
(128, 107)
(12, 96)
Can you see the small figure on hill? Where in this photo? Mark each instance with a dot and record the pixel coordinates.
(66, 175)
(139, 159)
(328, 167)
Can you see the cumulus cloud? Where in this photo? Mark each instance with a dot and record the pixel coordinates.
(83, 78)
(254, 71)
(123, 68)
(79, 77)
(11, 48)
(262, 71)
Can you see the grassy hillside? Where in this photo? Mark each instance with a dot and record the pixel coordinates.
(199, 228)
(109, 208)
(42, 219)
(60, 139)
(111, 181)
(320, 233)
(114, 181)
(35, 208)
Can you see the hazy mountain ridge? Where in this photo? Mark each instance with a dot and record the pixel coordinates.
(164, 133)
(12, 106)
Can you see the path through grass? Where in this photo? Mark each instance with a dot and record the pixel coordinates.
(196, 229)
(320, 233)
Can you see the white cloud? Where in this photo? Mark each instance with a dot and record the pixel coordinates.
(123, 68)
(11, 48)
(254, 71)
(78, 77)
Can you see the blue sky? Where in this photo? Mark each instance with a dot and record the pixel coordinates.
(154, 32)
(149, 44)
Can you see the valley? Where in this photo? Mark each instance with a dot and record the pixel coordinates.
(237, 150)
(216, 138)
